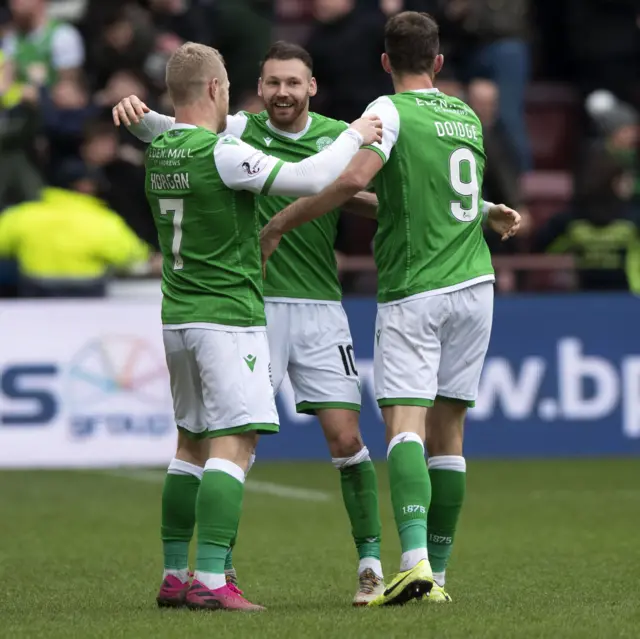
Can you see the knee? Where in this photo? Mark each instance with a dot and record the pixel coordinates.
(345, 443)
(194, 451)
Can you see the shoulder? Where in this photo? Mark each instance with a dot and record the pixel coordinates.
(325, 121)
(256, 118)
(382, 102)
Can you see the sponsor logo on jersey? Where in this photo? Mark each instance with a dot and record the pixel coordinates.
(253, 167)
(323, 142)
(268, 141)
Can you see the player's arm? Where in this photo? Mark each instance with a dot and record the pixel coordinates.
(146, 124)
(363, 204)
(242, 167)
(357, 176)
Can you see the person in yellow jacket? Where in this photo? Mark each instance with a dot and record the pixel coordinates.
(67, 243)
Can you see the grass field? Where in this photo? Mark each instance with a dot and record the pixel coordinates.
(545, 549)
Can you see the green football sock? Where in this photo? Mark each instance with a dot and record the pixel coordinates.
(360, 494)
(178, 518)
(448, 483)
(228, 562)
(410, 493)
(218, 510)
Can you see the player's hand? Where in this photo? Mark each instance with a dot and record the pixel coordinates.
(129, 110)
(369, 127)
(504, 221)
(269, 240)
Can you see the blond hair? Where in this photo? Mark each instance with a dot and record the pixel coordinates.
(189, 69)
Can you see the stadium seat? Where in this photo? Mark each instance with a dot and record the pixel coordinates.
(553, 119)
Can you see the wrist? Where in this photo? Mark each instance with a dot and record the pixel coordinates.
(486, 208)
(351, 132)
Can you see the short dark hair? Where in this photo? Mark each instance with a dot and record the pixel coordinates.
(412, 42)
(282, 50)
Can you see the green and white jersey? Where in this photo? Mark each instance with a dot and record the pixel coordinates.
(429, 237)
(304, 265)
(208, 233)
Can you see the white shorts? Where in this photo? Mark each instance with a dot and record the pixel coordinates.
(432, 346)
(312, 342)
(220, 381)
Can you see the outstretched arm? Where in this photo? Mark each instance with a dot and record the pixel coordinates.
(242, 167)
(357, 176)
(146, 124)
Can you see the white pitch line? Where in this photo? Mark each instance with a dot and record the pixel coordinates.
(253, 486)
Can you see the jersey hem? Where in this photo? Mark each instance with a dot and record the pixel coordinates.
(440, 291)
(210, 326)
(300, 300)
(378, 151)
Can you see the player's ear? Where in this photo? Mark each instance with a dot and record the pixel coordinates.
(386, 64)
(260, 87)
(438, 64)
(213, 88)
(313, 87)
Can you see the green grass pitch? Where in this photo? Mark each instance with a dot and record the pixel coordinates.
(545, 549)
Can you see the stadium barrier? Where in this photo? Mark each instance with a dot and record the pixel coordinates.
(84, 384)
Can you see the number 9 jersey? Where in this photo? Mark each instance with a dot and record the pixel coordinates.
(429, 234)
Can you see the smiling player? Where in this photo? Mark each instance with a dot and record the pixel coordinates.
(308, 331)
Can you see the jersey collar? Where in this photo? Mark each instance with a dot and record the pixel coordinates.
(432, 90)
(178, 125)
(291, 136)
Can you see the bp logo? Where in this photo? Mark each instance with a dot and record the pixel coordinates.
(324, 142)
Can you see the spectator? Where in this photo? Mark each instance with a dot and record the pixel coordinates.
(241, 30)
(67, 242)
(619, 124)
(42, 50)
(19, 121)
(346, 44)
(123, 39)
(602, 229)
(65, 110)
(121, 178)
(604, 45)
(489, 40)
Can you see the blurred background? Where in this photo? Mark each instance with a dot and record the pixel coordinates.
(556, 84)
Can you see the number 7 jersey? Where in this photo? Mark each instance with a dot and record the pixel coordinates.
(429, 237)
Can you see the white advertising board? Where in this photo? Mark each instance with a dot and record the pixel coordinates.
(83, 384)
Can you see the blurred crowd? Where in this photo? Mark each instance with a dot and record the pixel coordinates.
(555, 83)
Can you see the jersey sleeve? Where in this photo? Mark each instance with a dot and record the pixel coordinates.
(244, 168)
(386, 110)
(151, 125)
(236, 124)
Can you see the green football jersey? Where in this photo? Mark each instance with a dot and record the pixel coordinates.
(208, 233)
(304, 265)
(35, 50)
(430, 209)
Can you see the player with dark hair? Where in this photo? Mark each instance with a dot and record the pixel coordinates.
(435, 294)
(308, 330)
